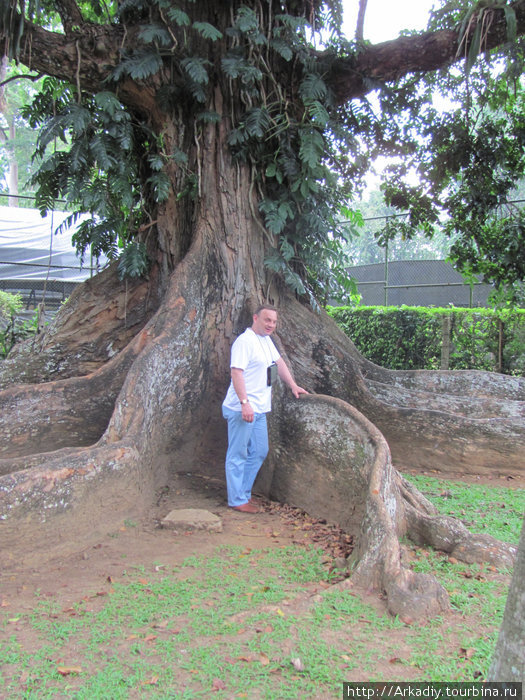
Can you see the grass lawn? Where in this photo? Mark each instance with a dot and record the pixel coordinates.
(261, 623)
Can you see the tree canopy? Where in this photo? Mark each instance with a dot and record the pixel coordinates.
(309, 110)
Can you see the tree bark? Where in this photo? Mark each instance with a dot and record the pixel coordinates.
(86, 451)
(508, 662)
(124, 389)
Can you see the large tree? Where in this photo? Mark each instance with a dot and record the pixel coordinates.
(216, 143)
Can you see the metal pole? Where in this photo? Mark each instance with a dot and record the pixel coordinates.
(386, 271)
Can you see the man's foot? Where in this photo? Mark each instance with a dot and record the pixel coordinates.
(246, 508)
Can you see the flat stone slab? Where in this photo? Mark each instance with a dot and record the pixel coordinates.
(192, 519)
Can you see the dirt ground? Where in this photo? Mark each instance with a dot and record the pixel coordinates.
(88, 574)
(92, 568)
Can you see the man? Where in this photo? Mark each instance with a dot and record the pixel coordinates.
(255, 363)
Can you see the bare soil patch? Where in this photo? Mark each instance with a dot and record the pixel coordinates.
(139, 544)
(142, 543)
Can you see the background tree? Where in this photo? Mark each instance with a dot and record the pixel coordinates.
(366, 244)
(468, 158)
(18, 139)
(216, 144)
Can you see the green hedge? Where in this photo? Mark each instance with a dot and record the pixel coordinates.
(411, 337)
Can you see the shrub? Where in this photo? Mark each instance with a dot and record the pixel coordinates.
(413, 337)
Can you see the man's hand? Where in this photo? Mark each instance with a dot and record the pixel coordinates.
(247, 412)
(286, 376)
(298, 390)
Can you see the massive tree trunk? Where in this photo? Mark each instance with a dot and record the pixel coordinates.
(124, 389)
(137, 398)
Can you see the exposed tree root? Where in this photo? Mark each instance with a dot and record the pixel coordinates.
(448, 421)
(332, 462)
(83, 452)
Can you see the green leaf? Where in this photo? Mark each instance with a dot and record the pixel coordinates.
(246, 20)
(473, 51)
(207, 30)
(313, 87)
(232, 65)
(195, 67)
(512, 26)
(161, 186)
(180, 157)
(209, 117)
(141, 65)
(134, 261)
(257, 121)
(318, 113)
(282, 48)
(179, 17)
(108, 102)
(287, 250)
(155, 161)
(155, 34)
(311, 148)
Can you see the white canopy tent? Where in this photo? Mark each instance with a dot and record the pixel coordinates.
(36, 262)
(30, 249)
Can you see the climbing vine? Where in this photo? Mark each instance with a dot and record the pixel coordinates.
(283, 125)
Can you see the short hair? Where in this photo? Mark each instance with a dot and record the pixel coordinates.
(262, 307)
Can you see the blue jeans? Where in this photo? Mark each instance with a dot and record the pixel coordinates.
(247, 450)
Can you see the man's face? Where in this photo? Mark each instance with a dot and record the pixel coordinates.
(265, 322)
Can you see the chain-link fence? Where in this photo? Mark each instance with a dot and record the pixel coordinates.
(417, 283)
(52, 293)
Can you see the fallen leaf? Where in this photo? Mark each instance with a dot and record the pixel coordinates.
(298, 664)
(218, 684)
(68, 670)
(161, 625)
(466, 653)
(152, 681)
(264, 659)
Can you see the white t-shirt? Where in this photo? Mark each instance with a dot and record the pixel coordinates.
(253, 354)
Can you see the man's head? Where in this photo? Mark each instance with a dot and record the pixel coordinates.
(264, 319)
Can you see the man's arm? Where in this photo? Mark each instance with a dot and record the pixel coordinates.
(286, 376)
(240, 389)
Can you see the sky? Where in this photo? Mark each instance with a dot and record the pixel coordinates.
(384, 19)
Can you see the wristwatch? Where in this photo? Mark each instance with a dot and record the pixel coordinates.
(244, 401)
